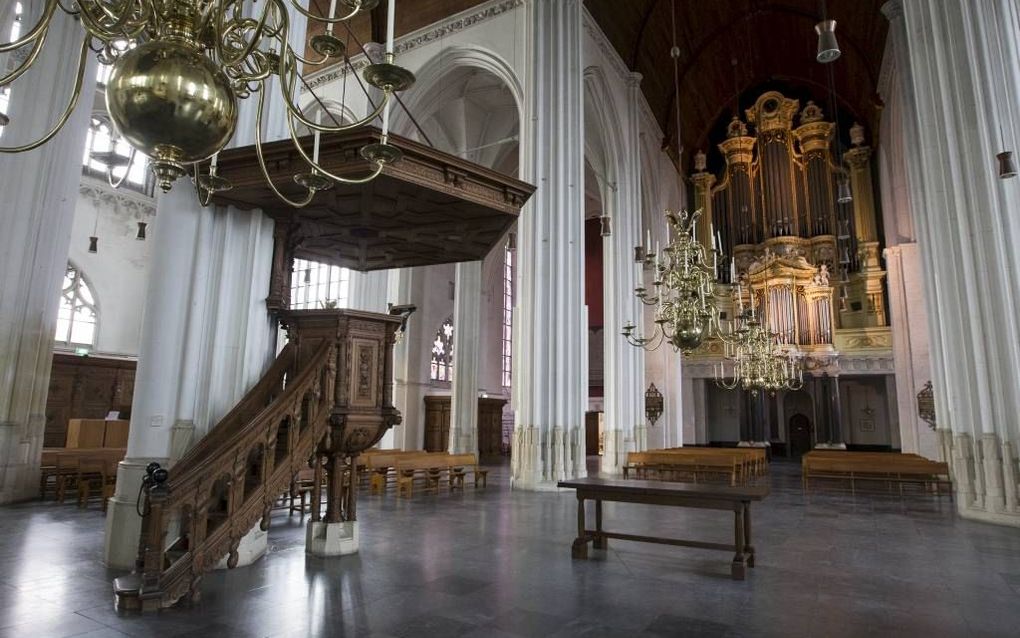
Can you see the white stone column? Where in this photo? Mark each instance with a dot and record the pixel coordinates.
(407, 395)
(206, 335)
(467, 328)
(369, 290)
(623, 363)
(964, 68)
(549, 385)
(40, 190)
(206, 338)
(903, 259)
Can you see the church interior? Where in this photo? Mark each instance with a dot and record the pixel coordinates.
(330, 317)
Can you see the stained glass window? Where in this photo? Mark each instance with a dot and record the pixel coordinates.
(76, 318)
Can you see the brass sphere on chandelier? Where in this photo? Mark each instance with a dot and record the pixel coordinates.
(171, 103)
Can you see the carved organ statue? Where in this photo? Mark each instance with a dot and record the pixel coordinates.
(780, 211)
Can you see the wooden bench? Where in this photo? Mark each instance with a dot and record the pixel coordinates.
(381, 467)
(431, 469)
(890, 468)
(81, 470)
(463, 464)
(716, 497)
(675, 465)
(754, 459)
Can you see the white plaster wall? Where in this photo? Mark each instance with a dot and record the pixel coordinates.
(865, 400)
(723, 414)
(118, 272)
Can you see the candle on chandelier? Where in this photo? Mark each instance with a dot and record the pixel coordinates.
(332, 14)
(648, 240)
(315, 144)
(733, 270)
(391, 11)
(212, 165)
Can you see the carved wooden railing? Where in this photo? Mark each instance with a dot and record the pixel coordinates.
(325, 398)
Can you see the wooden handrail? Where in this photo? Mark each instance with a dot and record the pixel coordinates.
(325, 399)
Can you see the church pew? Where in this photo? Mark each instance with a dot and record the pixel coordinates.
(754, 458)
(876, 467)
(673, 466)
(430, 469)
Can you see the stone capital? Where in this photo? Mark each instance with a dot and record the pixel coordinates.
(893, 10)
(858, 157)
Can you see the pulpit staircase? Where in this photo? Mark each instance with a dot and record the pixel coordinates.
(327, 397)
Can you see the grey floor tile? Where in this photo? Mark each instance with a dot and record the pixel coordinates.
(496, 563)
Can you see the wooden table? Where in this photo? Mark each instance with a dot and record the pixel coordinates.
(697, 495)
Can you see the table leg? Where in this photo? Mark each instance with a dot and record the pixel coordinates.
(601, 542)
(748, 547)
(580, 546)
(737, 568)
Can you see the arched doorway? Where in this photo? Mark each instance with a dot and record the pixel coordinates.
(800, 435)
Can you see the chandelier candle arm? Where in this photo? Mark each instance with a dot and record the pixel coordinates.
(71, 104)
(180, 66)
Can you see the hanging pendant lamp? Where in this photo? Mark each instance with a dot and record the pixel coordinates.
(828, 48)
(843, 194)
(1007, 168)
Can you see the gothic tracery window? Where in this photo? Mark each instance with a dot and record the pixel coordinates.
(442, 353)
(76, 317)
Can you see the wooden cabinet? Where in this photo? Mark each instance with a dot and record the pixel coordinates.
(490, 425)
(85, 388)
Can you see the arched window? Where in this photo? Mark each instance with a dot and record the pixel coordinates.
(5, 91)
(508, 313)
(442, 353)
(76, 318)
(314, 286)
(105, 151)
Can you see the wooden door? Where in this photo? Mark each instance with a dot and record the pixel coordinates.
(800, 435)
(437, 423)
(591, 433)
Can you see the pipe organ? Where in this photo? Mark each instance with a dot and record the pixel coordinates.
(810, 259)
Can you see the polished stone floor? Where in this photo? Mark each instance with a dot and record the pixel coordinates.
(497, 563)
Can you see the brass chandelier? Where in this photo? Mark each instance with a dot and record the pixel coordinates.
(753, 360)
(180, 66)
(684, 289)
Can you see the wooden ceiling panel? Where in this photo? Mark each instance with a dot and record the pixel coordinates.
(428, 208)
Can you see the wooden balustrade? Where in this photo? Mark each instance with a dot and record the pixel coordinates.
(326, 398)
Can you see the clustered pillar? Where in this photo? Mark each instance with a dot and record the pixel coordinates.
(550, 384)
(962, 71)
(40, 190)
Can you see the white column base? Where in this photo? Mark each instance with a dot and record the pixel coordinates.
(331, 539)
(252, 547)
(531, 470)
(640, 438)
(123, 525)
(19, 464)
(993, 499)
